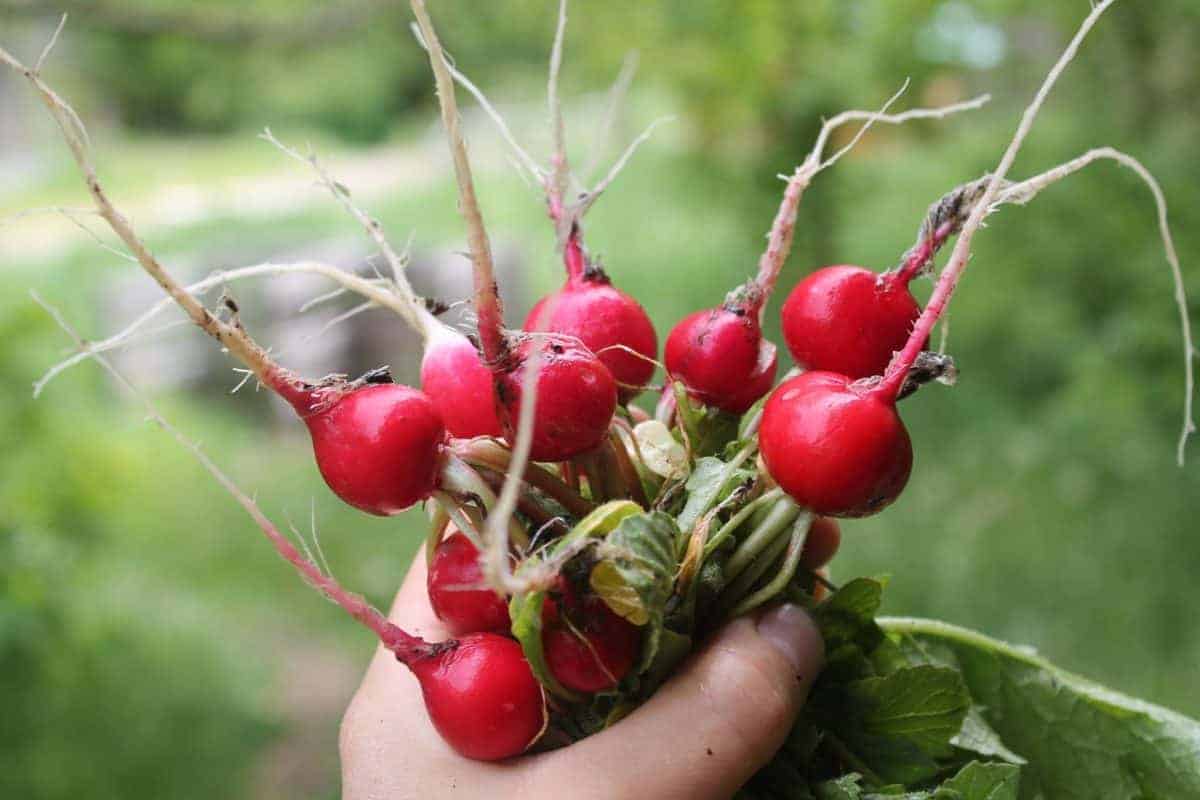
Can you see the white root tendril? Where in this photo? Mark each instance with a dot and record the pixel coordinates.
(558, 160)
(322, 581)
(497, 568)
(522, 155)
(555, 179)
(1022, 193)
(897, 370)
(376, 292)
(232, 337)
(591, 196)
(783, 227)
(410, 307)
(612, 108)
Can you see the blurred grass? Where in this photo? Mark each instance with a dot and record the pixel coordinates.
(1045, 506)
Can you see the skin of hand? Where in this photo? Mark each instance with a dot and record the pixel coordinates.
(700, 737)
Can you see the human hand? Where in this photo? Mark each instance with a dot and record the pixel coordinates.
(700, 737)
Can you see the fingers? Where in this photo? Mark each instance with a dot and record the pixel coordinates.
(710, 728)
(387, 742)
(411, 610)
(824, 538)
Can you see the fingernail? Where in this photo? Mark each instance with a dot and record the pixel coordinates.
(793, 633)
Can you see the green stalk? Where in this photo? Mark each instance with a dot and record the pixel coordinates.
(466, 518)
(790, 562)
(781, 515)
(740, 517)
(745, 581)
(458, 476)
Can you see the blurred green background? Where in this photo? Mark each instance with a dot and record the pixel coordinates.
(150, 643)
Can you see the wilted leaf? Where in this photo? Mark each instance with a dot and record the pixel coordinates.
(661, 452)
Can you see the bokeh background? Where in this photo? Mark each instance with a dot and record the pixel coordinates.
(151, 645)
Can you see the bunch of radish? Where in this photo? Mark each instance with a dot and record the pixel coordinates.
(580, 546)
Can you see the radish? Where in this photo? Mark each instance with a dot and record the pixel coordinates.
(454, 377)
(848, 319)
(851, 320)
(576, 393)
(576, 397)
(608, 321)
(720, 355)
(837, 447)
(452, 581)
(480, 693)
(378, 445)
(589, 648)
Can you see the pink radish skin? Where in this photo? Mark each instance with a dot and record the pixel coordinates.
(576, 397)
(460, 386)
(603, 317)
(462, 609)
(720, 355)
(481, 695)
(595, 652)
(837, 448)
(848, 320)
(378, 446)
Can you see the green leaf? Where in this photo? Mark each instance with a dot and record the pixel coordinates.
(604, 519)
(636, 571)
(976, 735)
(844, 788)
(980, 781)
(899, 725)
(847, 623)
(848, 611)
(1082, 740)
(711, 480)
(526, 613)
(975, 781)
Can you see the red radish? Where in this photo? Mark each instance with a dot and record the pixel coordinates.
(824, 538)
(576, 397)
(453, 573)
(848, 320)
(481, 695)
(479, 690)
(595, 651)
(454, 377)
(720, 355)
(837, 447)
(378, 445)
(603, 317)
(576, 393)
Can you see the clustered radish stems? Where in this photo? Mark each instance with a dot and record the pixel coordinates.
(579, 546)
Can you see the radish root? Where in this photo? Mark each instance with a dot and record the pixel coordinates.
(896, 372)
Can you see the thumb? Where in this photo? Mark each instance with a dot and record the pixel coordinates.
(711, 727)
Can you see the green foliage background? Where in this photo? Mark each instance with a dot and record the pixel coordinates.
(151, 646)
